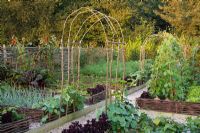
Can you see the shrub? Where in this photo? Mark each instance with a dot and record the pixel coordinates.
(194, 94)
(170, 73)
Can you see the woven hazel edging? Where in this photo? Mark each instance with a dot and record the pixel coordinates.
(19, 126)
(96, 98)
(169, 106)
(35, 115)
(102, 95)
(70, 117)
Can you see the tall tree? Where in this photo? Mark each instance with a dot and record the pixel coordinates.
(183, 15)
(29, 19)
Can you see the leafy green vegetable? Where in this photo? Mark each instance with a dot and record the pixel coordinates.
(123, 116)
(55, 106)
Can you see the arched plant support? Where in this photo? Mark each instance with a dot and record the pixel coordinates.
(76, 40)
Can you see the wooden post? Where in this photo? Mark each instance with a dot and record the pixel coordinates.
(79, 56)
(4, 54)
(62, 76)
(124, 61)
(107, 69)
(117, 61)
(68, 63)
(111, 61)
(72, 64)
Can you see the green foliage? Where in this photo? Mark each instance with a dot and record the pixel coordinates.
(50, 106)
(11, 96)
(123, 116)
(193, 125)
(186, 24)
(195, 63)
(76, 99)
(99, 69)
(193, 94)
(141, 76)
(146, 9)
(145, 124)
(165, 125)
(171, 73)
(55, 106)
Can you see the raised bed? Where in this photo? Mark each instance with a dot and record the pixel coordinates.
(35, 115)
(19, 126)
(169, 106)
(102, 95)
(96, 98)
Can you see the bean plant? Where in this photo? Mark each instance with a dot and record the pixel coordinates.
(171, 73)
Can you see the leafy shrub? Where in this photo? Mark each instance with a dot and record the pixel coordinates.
(94, 126)
(9, 114)
(122, 116)
(170, 73)
(194, 94)
(11, 96)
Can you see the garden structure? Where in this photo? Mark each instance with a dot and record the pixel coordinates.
(44, 87)
(53, 104)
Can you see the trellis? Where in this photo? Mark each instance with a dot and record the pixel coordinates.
(73, 41)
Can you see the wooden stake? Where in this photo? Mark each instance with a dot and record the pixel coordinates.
(68, 63)
(72, 64)
(111, 61)
(79, 56)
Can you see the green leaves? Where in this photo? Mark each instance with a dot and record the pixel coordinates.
(123, 116)
(170, 73)
(194, 94)
(70, 97)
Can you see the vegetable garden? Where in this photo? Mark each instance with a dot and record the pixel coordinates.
(42, 88)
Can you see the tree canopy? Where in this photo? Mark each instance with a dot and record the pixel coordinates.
(35, 19)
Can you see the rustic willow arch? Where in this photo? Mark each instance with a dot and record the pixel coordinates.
(143, 46)
(116, 39)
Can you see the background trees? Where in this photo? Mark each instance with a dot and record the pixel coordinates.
(37, 19)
